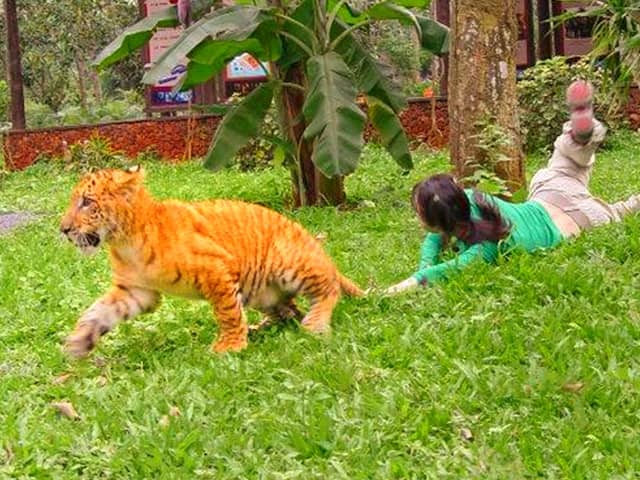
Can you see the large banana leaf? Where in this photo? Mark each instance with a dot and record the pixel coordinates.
(303, 14)
(135, 37)
(392, 11)
(232, 23)
(196, 74)
(351, 16)
(335, 121)
(434, 35)
(210, 56)
(239, 125)
(371, 75)
(391, 132)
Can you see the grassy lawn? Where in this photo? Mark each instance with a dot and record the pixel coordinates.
(538, 358)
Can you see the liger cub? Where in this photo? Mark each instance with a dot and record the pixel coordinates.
(229, 253)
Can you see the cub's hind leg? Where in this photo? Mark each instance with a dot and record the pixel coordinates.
(227, 307)
(289, 310)
(119, 303)
(323, 301)
(282, 312)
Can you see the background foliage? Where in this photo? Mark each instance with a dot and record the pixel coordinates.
(541, 95)
(58, 40)
(59, 79)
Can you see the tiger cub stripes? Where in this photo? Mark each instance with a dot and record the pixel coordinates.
(230, 253)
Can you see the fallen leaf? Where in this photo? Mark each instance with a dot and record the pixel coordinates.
(101, 381)
(99, 362)
(573, 387)
(66, 409)
(321, 237)
(466, 434)
(60, 379)
(174, 411)
(164, 421)
(8, 454)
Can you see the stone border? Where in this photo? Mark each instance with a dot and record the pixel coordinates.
(169, 138)
(11, 220)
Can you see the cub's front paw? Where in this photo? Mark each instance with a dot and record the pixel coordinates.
(229, 345)
(82, 340)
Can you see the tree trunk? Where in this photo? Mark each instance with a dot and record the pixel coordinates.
(82, 75)
(309, 185)
(482, 87)
(14, 66)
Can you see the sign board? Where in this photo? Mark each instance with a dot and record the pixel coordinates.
(243, 74)
(160, 94)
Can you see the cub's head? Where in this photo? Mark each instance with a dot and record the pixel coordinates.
(101, 207)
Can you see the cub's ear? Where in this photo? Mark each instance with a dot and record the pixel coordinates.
(131, 176)
(136, 169)
(128, 182)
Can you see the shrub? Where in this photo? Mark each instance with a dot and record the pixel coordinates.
(426, 88)
(397, 47)
(126, 105)
(93, 154)
(39, 115)
(4, 101)
(260, 152)
(491, 140)
(541, 94)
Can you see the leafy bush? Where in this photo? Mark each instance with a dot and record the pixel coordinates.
(4, 101)
(616, 43)
(93, 154)
(541, 93)
(425, 88)
(491, 140)
(396, 46)
(260, 152)
(39, 115)
(126, 105)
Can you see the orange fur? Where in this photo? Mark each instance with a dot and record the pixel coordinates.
(227, 252)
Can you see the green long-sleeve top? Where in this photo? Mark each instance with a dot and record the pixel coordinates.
(531, 228)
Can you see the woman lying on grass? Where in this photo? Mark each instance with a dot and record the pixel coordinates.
(560, 205)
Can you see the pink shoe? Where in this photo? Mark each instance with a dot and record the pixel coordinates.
(580, 102)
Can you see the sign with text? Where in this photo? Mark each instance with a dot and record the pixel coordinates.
(243, 74)
(161, 93)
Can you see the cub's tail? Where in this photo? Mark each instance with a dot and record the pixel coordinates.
(348, 287)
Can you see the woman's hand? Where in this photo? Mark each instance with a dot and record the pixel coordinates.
(408, 284)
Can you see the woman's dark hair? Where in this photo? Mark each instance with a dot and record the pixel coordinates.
(441, 203)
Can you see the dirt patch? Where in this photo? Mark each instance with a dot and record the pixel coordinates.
(11, 220)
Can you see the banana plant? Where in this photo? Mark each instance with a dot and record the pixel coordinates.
(317, 70)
